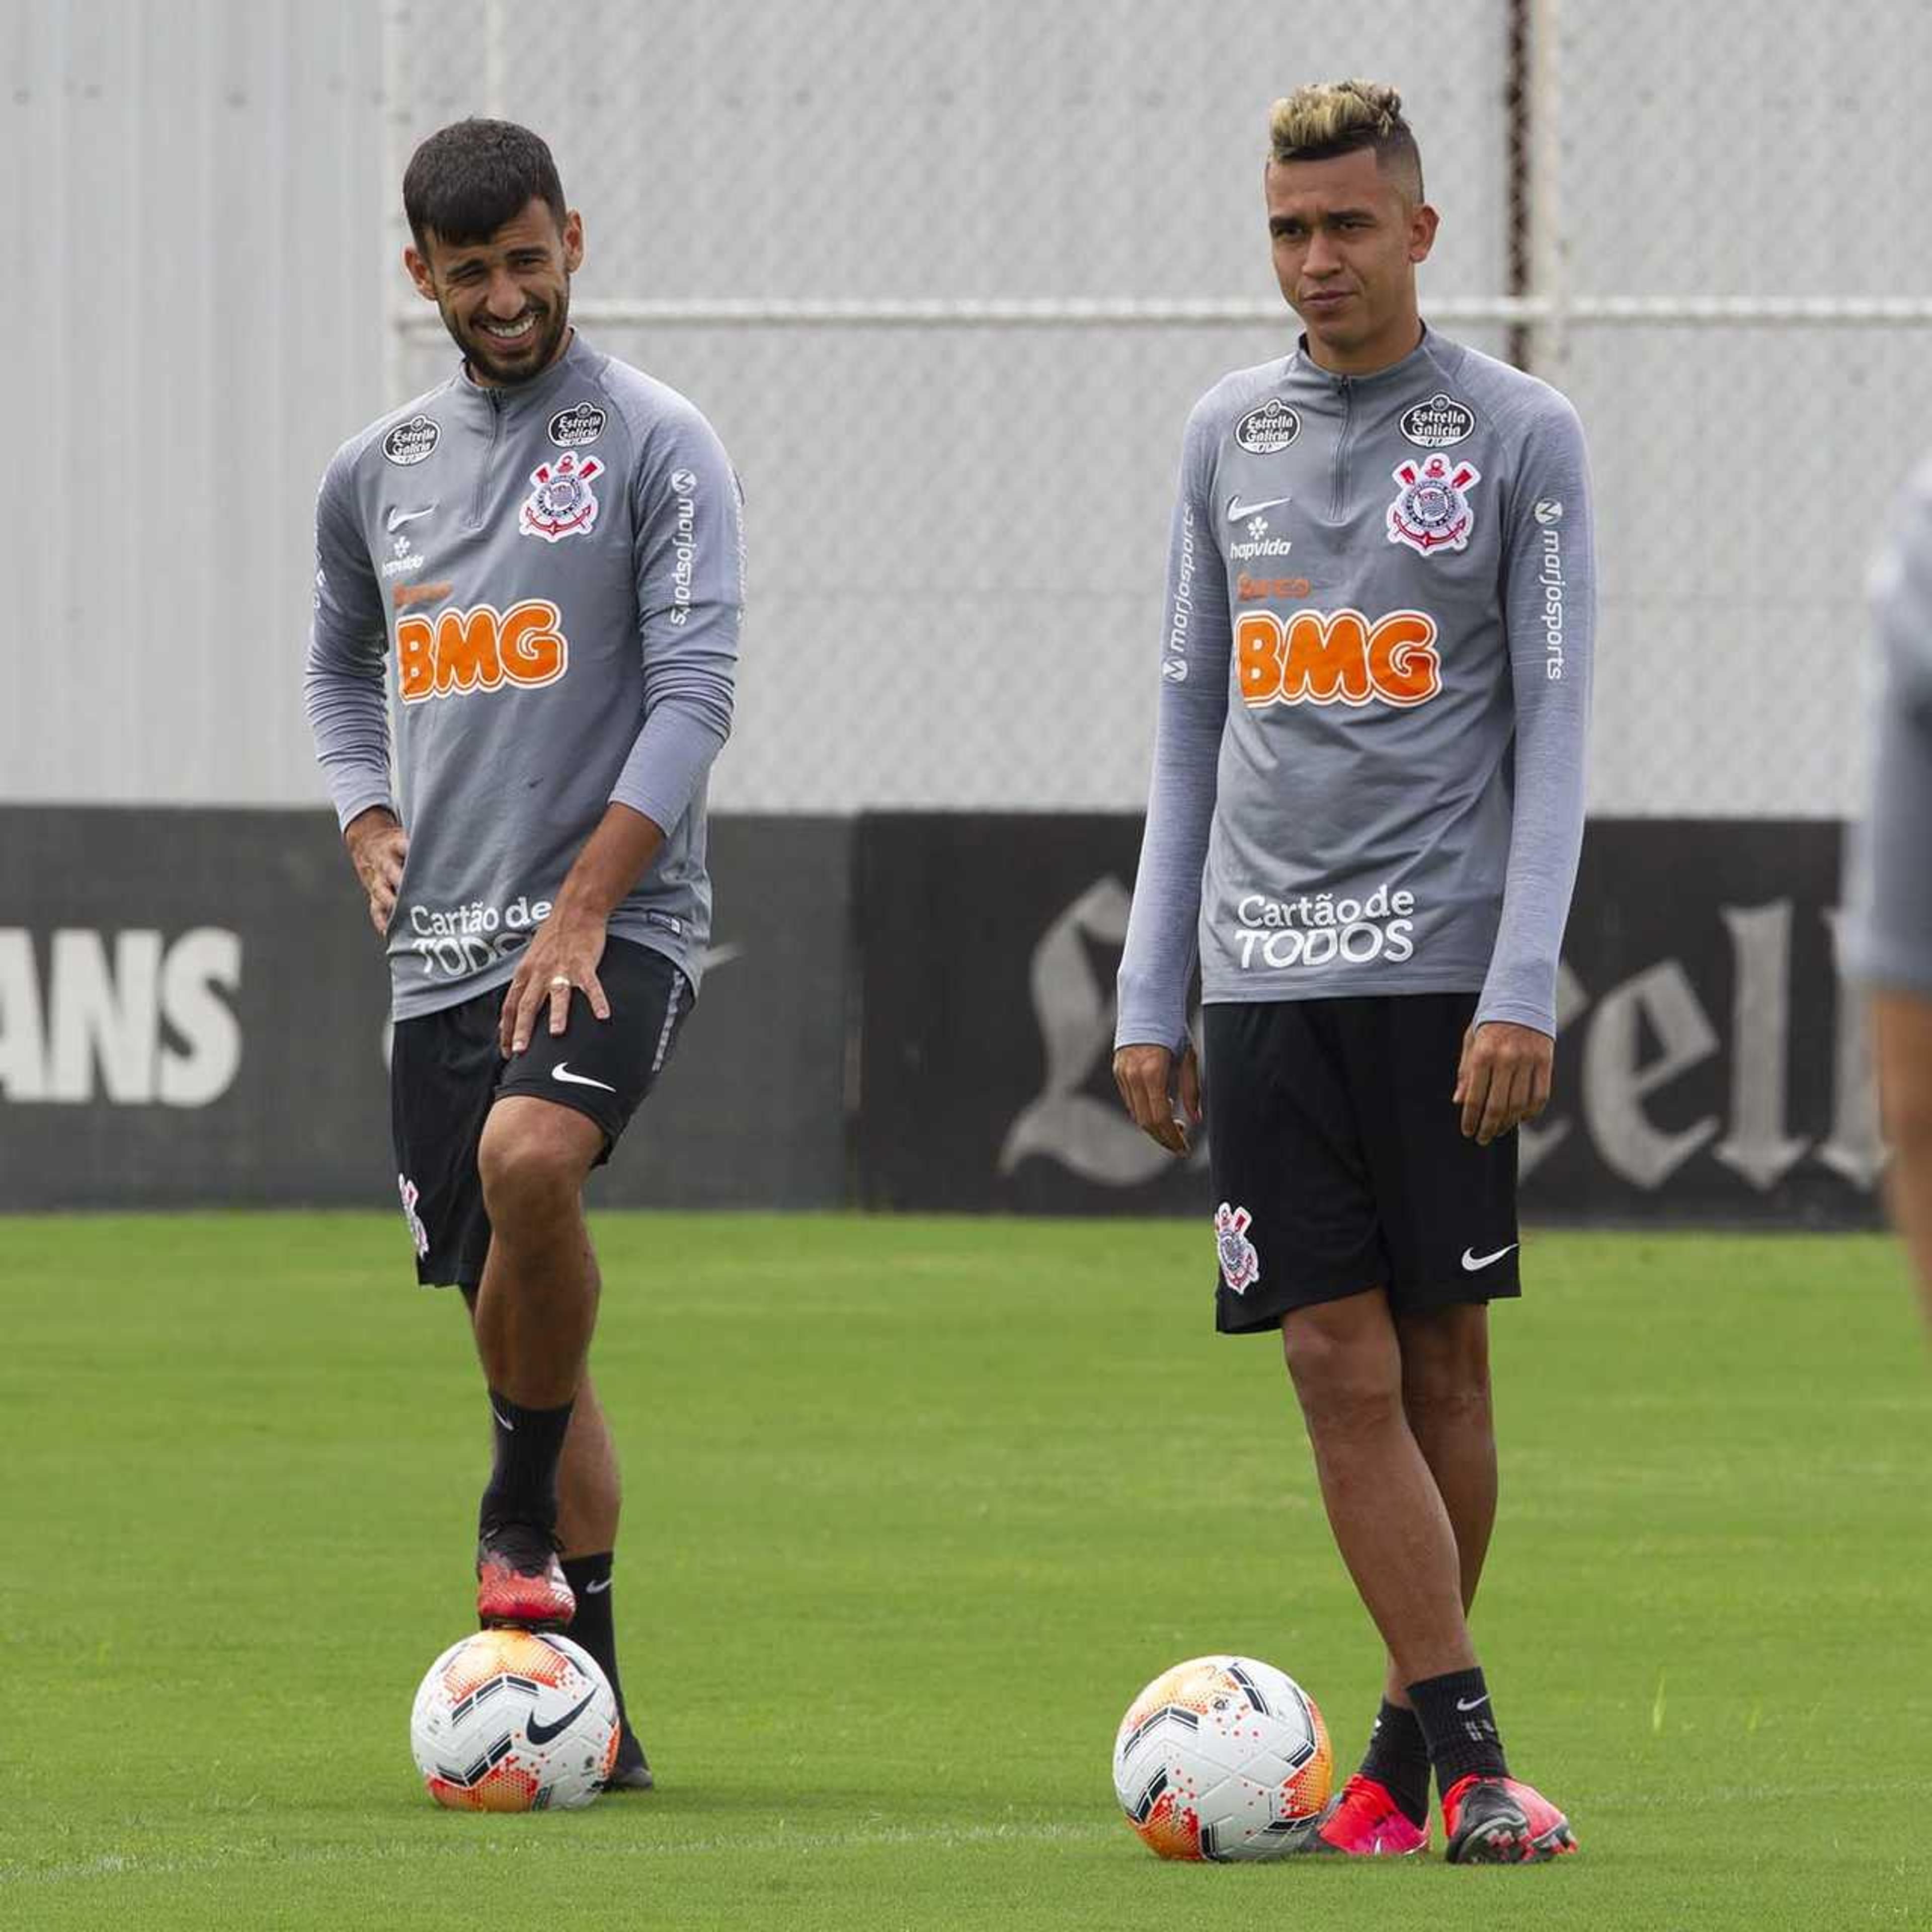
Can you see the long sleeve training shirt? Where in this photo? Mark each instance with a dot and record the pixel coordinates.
(1375, 687)
(551, 575)
(1889, 931)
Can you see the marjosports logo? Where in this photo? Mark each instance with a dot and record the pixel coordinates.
(481, 648)
(1320, 929)
(1311, 657)
(684, 544)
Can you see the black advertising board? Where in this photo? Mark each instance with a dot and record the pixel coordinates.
(988, 947)
(1711, 1068)
(192, 1011)
(751, 1112)
(912, 1011)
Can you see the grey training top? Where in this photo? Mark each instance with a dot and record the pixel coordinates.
(1368, 769)
(1889, 931)
(554, 573)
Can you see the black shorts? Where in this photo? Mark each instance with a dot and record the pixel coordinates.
(1338, 1162)
(446, 1072)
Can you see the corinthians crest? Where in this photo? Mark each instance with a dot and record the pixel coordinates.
(561, 504)
(1240, 1266)
(1432, 512)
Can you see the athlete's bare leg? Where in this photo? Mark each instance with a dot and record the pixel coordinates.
(1388, 1516)
(537, 1306)
(1446, 1396)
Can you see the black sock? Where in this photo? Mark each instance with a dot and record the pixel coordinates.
(1460, 1722)
(593, 1626)
(522, 1483)
(1397, 1758)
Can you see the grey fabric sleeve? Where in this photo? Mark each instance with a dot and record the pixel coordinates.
(1195, 648)
(348, 652)
(689, 561)
(1889, 933)
(1549, 612)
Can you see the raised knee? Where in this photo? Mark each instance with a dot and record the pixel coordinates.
(526, 1171)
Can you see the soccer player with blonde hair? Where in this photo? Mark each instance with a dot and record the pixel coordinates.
(1364, 819)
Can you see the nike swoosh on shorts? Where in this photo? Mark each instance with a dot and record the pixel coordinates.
(561, 1071)
(1471, 1262)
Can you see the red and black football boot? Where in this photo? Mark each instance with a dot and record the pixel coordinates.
(1364, 1821)
(1498, 1821)
(519, 1580)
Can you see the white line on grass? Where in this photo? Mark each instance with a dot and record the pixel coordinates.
(121, 1864)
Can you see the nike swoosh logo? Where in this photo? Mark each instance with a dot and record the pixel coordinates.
(561, 1071)
(1237, 509)
(503, 1421)
(1474, 1703)
(398, 518)
(1471, 1262)
(542, 1734)
(597, 1589)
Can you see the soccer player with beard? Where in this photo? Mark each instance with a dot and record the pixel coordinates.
(1366, 806)
(544, 552)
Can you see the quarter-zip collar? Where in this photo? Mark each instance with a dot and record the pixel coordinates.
(511, 401)
(1428, 353)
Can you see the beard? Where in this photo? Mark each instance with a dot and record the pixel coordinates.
(489, 360)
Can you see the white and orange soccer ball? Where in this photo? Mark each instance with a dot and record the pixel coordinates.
(1223, 1758)
(512, 1720)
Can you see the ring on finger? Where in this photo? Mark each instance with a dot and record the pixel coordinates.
(557, 980)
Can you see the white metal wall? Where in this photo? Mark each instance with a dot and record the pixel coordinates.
(193, 320)
(958, 529)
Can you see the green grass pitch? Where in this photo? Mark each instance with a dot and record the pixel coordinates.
(914, 1508)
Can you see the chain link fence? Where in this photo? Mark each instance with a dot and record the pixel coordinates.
(948, 280)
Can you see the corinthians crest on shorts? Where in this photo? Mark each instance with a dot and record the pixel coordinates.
(1432, 511)
(1240, 1266)
(562, 503)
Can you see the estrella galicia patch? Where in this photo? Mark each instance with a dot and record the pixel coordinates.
(573, 427)
(1272, 427)
(1437, 423)
(410, 441)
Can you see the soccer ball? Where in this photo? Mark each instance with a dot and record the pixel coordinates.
(509, 1721)
(1223, 1758)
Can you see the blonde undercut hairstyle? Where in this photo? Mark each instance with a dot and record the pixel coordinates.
(1336, 117)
